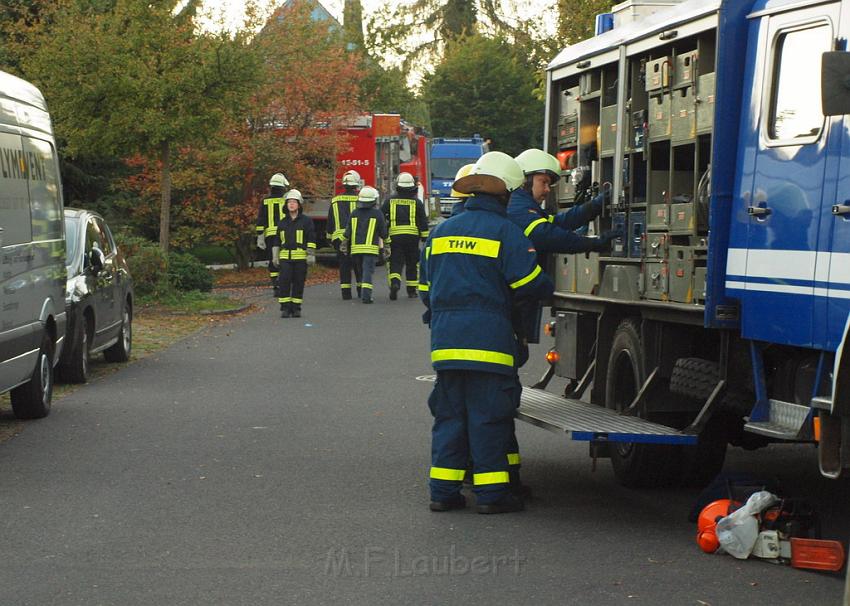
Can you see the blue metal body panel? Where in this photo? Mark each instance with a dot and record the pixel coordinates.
(732, 34)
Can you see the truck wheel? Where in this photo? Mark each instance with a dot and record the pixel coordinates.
(76, 370)
(120, 352)
(694, 378)
(32, 399)
(635, 465)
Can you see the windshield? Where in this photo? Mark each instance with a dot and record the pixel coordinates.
(446, 168)
(72, 240)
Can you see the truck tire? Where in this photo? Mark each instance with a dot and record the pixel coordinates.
(635, 465)
(76, 368)
(120, 352)
(32, 399)
(694, 378)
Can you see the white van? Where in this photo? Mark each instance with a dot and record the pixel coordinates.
(32, 249)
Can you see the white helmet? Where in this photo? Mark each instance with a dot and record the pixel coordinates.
(294, 194)
(278, 180)
(494, 173)
(535, 161)
(368, 196)
(351, 178)
(405, 181)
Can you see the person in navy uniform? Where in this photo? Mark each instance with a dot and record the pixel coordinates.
(475, 268)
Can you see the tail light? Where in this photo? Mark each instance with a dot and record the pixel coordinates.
(553, 357)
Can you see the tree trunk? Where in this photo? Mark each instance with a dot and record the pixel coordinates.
(165, 192)
(244, 250)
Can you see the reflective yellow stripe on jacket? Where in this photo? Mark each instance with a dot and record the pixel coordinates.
(364, 247)
(535, 223)
(395, 228)
(273, 217)
(339, 230)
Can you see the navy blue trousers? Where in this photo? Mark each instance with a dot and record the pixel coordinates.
(473, 417)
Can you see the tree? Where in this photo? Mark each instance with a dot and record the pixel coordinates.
(577, 18)
(485, 85)
(139, 79)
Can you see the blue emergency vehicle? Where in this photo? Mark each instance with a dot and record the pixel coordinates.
(447, 157)
(723, 127)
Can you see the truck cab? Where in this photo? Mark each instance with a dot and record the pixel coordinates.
(447, 157)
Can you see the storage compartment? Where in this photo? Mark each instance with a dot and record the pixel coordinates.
(659, 117)
(656, 245)
(683, 119)
(589, 83)
(705, 102)
(575, 334)
(658, 74)
(659, 216)
(565, 273)
(636, 234)
(620, 246)
(608, 130)
(568, 131)
(685, 73)
(681, 274)
(683, 220)
(700, 276)
(655, 279)
(587, 272)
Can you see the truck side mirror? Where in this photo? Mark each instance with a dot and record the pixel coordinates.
(835, 83)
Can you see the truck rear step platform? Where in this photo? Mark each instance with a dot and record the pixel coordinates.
(585, 421)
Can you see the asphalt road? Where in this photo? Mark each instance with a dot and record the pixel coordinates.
(272, 461)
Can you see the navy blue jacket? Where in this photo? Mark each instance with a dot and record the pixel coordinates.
(552, 233)
(474, 268)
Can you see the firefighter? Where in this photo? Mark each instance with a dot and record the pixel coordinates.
(338, 214)
(457, 207)
(364, 238)
(553, 233)
(408, 223)
(474, 268)
(270, 212)
(295, 250)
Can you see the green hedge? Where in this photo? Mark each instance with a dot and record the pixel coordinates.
(155, 274)
(186, 272)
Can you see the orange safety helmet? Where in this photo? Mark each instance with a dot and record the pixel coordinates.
(707, 521)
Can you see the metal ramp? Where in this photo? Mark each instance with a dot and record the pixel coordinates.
(583, 421)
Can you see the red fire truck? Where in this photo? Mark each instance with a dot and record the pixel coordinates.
(380, 146)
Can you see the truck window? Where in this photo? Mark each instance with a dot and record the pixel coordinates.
(43, 189)
(14, 200)
(446, 168)
(795, 108)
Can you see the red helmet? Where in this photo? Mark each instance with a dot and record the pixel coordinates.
(708, 517)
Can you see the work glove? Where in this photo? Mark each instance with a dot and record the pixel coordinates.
(387, 250)
(275, 258)
(602, 198)
(311, 257)
(261, 242)
(603, 242)
(343, 246)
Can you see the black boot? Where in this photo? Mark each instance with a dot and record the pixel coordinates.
(506, 504)
(411, 292)
(517, 487)
(284, 310)
(346, 294)
(296, 311)
(393, 292)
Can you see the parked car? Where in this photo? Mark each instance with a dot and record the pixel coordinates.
(99, 299)
(32, 250)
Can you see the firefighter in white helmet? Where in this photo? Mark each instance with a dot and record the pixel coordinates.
(364, 237)
(408, 224)
(296, 245)
(270, 212)
(338, 215)
(474, 268)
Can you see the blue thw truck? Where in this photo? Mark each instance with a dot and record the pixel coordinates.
(721, 316)
(448, 155)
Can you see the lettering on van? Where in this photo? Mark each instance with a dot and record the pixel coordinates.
(17, 164)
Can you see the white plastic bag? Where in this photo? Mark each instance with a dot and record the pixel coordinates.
(738, 531)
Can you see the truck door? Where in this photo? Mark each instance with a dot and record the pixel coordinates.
(834, 245)
(783, 202)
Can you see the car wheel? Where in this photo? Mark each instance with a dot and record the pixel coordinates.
(120, 352)
(76, 370)
(32, 399)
